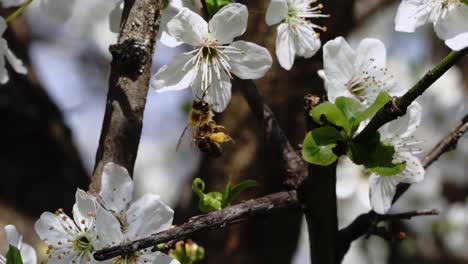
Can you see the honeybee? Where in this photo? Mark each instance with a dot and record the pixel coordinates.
(206, 134)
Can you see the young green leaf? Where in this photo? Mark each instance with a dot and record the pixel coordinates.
(332, 114)
(379, 102)
(236, 191)
(318, 145)
(465, 2)
(348, 106)
(13, 256)
(375, 155)
(208, 201)
(214, 6)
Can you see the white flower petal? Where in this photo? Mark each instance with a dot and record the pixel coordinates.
(173, 77)
(148, 215)
(108, 230)
(285, 48)
(253, 61)
(306, 41)
(52, 229)
(167, 14)
(116, 187)
(16, 63)
(277, 11)
(28, 254)
(453, 27)
(414, 171)
(83, 210)
(59, 9)
(348, 176)
(338, 62)
(382, 190)
(411, 15)
(12, 235)
(188, 27)
(404, 126)
(3, 26)
(371, 51)
(218, 94)
(229, 22)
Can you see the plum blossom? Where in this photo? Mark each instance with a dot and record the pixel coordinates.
(5, 52)
(171, 9)
(120, 219)
(360, 74)
(70, 240)
(296, 31)
(28, 254)
(448, 17)
(209, 68)
(398, 133)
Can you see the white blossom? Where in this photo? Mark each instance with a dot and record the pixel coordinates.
(70, 240)
(28, 254)
(173, 8)
(120, 219)
(5, 52)
(398, 133)
(296, 31)
(360, 74)
(209, 68)
(449, 18)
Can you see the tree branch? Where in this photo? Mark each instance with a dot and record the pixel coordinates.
(295, 166)
(128, 87)
(213, 220)
(361, 224)
(398, 105)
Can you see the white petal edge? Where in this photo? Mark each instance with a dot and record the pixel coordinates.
(174, 77)
(108, 230)
(371, 51)
(404, 126)
(285, 48)
(188, 27)
(277, 11)
(409, 17)
(252, 63)
(382, 191)
(218, 94)
(116, 187)
(83, 210)
(453, 27)
(229, 22)
(148, 215)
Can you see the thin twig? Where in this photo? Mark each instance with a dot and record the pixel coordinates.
(128, 87)
(406, 215)
(295, 166)
(398, 105)
(361, 224)
(214, 220)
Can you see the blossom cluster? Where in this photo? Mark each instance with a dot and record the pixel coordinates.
(111, 218)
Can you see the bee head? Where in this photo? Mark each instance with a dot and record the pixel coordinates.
(201, 105)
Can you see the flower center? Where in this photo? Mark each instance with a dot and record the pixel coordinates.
(208, 60)
(83, 243)
(368, 81)
(303, 12)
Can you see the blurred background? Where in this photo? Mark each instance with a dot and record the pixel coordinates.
(53, 116)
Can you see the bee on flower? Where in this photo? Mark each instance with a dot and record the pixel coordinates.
(216, 57)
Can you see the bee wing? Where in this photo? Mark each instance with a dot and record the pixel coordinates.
(179, 142)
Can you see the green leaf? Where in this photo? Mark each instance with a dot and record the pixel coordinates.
(214, 6)
(207, 201)
(318, 145)
(237, 190)
(465, 2)
(348, 106)
(375, 155)
(379, 102)
(332, 114)
(13, 256)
